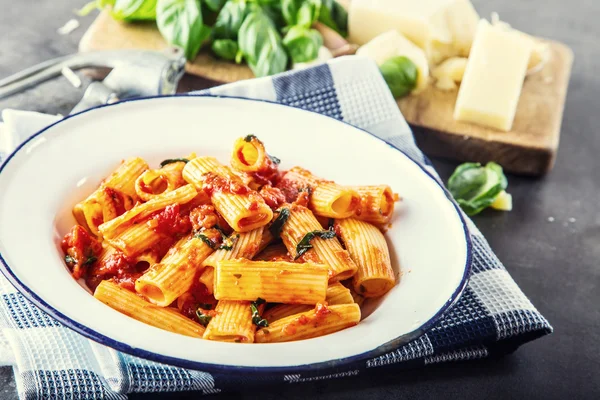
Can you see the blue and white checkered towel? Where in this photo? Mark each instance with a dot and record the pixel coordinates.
(492, 316)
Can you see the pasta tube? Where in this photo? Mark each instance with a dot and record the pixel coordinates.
(249, 155)
(336, 294)
(244, 245)
(132, 305)
(322, 320)
(376, 204)
(300, 222)
(116, 226)
(232, 323)
(370, 252)
(327, 199)
(275, 282)
(242, 208)
(115, 195)
(174, 275)
(157, 181)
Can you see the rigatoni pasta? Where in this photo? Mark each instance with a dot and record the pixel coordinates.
(240, 253)
(369, 250)
(243, 209)
(275, 282)
(327, 198)
(328, 251)
(130, 304)
(376, 204)
(314, 323)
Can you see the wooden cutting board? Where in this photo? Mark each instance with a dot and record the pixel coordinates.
(529, 148)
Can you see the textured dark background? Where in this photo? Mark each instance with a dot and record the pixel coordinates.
(550, 242)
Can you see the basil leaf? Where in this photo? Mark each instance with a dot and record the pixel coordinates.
(278, 223)
(301, 13)
(260, 44)
(90, 260)
(476, 187)
(230, 20)
(204, 319)
(173, 160)
(70, 260)
(249, 138)
(229, 242)
(304, 245)
(400, 74)
(124, 10)
(256, 317)
(180, 23)
(302, 44)
(226, 49)
(214, 5)
(134, 10)
(205, 239)
(334, 16)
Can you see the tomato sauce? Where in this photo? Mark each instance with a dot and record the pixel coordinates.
(170, 222)
(203, 217)
(81, 250)
(117, 199)
(215, 183)
(117, 267)
(272, 196)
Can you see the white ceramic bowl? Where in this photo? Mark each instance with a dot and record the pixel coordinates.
(47, 175)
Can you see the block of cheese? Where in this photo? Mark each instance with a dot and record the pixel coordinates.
(442, 28)
(391, 44)
(449, 73)
(491, 86)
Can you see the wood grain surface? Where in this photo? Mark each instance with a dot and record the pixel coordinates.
(529, 148)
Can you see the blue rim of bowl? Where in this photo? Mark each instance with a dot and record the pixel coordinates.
(195, 365)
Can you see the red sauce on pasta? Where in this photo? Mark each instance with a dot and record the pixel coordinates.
(215, 183)
(117, 267)
(272, 196)
(81, 250)
(203, 217)
(117, 200)
(170, 222)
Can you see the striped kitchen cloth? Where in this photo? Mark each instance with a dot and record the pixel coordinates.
(492, 316)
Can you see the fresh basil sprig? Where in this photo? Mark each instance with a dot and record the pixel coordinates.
(302, 44)
(226, 49)
(173, 160)
(256, 317)
(180, 23)
(214, 5)
(400, 74)
(230, 20)
(304, 245)
(260, 44)
(334, 16)
(301, 13)
(124, 10)
(475, 187)
(278, 223)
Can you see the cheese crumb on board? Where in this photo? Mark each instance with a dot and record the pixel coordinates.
(493, 77)
(449, 73)
(391, 44)
(442, 28)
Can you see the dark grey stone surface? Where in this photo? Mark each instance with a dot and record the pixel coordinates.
(555, 263)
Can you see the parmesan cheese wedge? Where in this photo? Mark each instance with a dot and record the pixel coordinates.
(442, 28)
(391, 44)
(493, 79)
